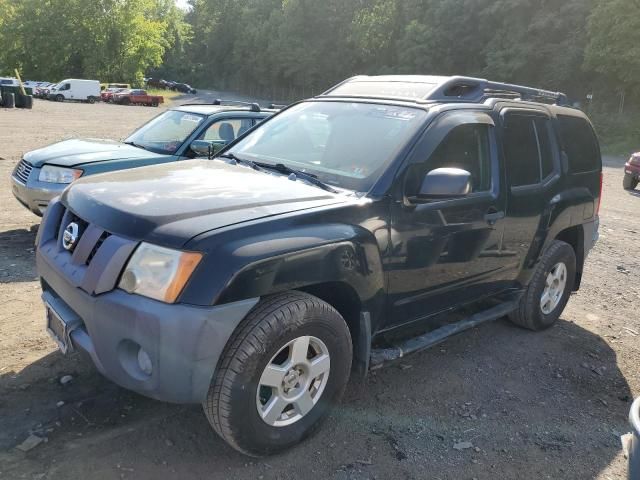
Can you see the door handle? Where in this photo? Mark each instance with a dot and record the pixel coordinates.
(493, 216)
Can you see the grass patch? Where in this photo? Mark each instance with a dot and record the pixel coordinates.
(167, 94)
(619, 133)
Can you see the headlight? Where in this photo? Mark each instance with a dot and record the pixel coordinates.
(157, 272)
(52, 174)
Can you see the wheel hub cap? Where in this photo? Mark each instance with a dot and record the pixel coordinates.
(293, 381)
(554, 288)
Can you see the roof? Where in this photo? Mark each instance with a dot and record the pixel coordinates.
(206, 109)
(431, 88)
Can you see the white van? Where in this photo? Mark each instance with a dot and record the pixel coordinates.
(76, 89)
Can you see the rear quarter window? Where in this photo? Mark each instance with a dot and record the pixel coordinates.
(580, 144)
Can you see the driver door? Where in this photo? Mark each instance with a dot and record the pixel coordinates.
(447, 252)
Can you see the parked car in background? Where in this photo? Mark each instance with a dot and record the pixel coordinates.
(76, 89)
(9, 82)
(157, 83)
(631, 172)
(108, 93)
(180, 133)
(183, 87)
(106, 86)
(321, 243)
(43, 90)
(137, 97)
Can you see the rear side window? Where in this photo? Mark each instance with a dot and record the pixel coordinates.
(580, 144)
(528, 149)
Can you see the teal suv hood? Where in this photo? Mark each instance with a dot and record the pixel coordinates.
(77, 152)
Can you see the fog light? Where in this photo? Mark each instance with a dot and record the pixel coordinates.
(144, 362)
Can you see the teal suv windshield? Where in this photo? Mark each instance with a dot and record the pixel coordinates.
(166, 132)
(344, 144)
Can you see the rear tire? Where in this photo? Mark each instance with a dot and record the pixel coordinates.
(282, 370)
(91, 100)
(629, 182)
(557, 268)
(125, 101)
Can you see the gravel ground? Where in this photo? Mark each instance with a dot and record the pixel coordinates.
(530, 405)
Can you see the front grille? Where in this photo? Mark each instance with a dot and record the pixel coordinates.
(97, 257)
(22, 171)
(98, 244)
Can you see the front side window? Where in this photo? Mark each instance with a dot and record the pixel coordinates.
(227, 130)
(166, 132)
(465, 147)
(345, 144)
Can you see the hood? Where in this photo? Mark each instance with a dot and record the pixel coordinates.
(168, 204)
(71, 153)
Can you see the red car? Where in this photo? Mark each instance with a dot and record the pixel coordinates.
(632, 172)
(108, 93)
(137, 97)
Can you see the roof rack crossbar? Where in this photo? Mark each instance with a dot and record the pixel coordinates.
(254, 107)
(477, 89)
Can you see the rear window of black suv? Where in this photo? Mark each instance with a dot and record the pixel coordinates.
(580, 144)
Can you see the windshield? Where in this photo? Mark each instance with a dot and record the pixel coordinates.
(166, 132)
(347, 145)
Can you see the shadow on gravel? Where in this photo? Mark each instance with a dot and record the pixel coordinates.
(531, 405)
(17, 259)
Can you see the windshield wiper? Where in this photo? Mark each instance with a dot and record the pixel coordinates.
(231, 156)
(307, 177)
(134, 144)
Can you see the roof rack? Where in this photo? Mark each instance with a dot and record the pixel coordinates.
(477, 89)
(254, 107)
(277, 106)
(462, 89)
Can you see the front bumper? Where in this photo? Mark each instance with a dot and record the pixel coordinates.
(183, 342)
(34, 194)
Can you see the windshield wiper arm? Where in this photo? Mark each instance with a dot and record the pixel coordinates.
(231, 156)
(308, 177)
(137, 145)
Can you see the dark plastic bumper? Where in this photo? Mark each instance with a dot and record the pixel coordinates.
(183, 342)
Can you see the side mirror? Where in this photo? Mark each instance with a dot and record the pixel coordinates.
(202, 148)
(443, 183)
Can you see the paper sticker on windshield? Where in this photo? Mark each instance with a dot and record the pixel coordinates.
(191, 118)
(406, 114)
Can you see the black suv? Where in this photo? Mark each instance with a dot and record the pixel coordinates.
(351, 229)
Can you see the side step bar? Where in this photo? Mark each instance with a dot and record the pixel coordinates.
(379, 356)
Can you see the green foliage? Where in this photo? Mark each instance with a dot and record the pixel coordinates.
(110, 40)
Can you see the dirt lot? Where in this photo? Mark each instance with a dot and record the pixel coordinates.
(546, 405)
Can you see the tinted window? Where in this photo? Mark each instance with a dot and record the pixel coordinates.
(528, 148)
(521, 150)
(580, 144)
(546, 150)
(465, 147)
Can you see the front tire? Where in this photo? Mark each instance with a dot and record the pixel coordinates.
(549, 289)
(59, 98)
(629, 182)
(283, 369)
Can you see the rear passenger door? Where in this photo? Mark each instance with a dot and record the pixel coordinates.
(532, 164)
